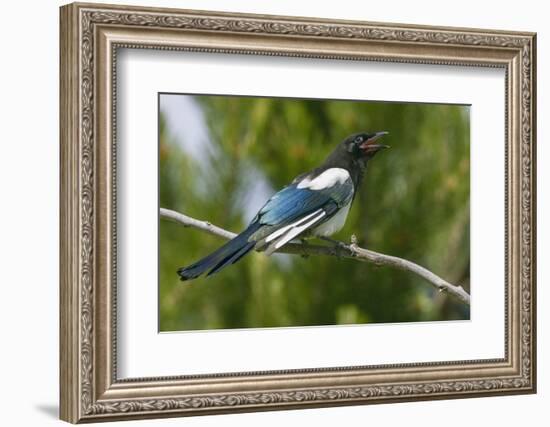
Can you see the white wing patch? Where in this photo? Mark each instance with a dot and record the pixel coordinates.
(286, 234)
(326, 179)
(284, 229)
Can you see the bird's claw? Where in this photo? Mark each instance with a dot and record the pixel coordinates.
(305, 243)
(341, 249)
(338, 248)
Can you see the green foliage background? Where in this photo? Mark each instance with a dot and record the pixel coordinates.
(414, 203)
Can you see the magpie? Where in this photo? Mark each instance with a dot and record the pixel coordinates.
(314, 204)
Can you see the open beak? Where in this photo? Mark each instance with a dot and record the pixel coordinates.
(370, 145)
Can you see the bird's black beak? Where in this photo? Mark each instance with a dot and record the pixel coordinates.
(369, 146)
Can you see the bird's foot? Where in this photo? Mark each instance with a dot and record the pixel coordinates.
(306, 244)
(339, 248)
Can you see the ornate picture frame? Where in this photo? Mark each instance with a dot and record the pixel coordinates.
(90, 37)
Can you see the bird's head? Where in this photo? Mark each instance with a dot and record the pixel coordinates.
(363, 146)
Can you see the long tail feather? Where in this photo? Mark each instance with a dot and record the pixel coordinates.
(232, 259)
(226, 255)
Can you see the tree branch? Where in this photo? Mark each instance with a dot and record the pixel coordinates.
(340, 250)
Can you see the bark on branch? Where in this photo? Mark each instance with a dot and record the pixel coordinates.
(341, 250)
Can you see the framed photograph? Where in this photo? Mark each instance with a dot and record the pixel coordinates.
(266, 212)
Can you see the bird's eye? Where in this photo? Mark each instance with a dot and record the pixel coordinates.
(358, 140)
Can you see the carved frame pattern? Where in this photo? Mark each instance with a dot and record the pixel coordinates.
(85, 396)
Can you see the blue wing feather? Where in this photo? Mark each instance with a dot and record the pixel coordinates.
(292, 203)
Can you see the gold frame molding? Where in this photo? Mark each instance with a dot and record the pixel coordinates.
(90, 37)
